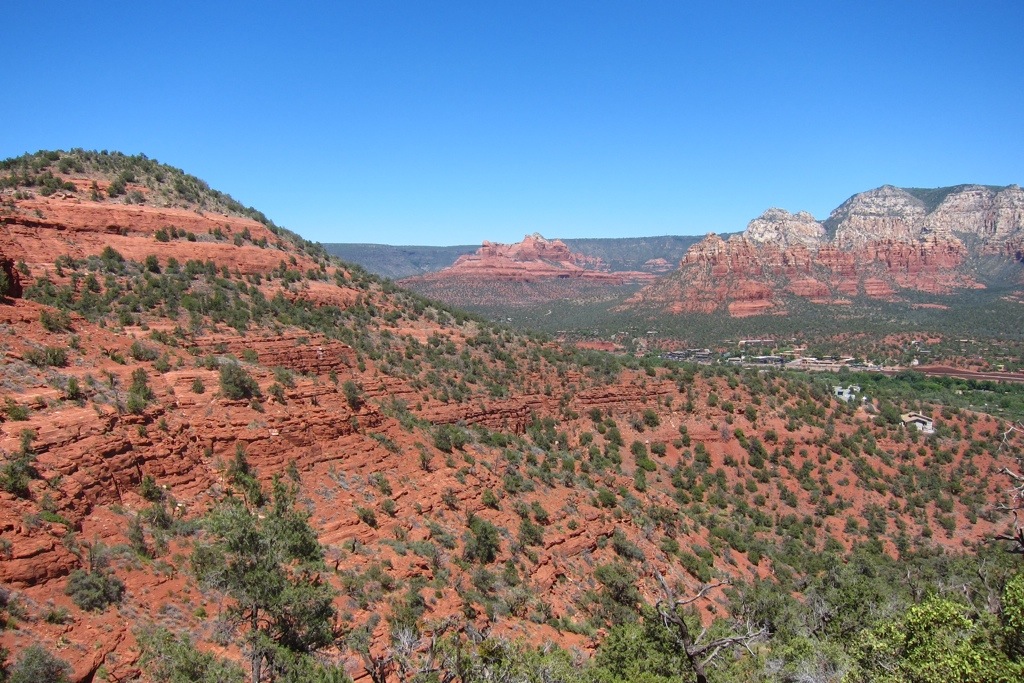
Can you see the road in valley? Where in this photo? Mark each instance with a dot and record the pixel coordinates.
(959, 373)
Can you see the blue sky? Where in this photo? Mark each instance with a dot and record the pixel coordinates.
(449, 123)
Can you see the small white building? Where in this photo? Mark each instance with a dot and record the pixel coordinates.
(923, 423)
(846, 393)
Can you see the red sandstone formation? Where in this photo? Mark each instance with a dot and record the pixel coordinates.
(533, 259)
(876, 245)
(44, 228)
(657, 265)
(338, 411)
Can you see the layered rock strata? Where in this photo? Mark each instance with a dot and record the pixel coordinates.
(876, 245)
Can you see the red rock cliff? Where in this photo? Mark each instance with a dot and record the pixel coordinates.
(877, 244)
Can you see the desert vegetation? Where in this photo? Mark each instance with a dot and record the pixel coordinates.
(306, 474)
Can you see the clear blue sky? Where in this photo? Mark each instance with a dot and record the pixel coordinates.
(423, 122)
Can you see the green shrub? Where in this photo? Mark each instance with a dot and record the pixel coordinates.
(646, 464)
(606, 498)
(15, 411)
(539, 513)
(25, 439)
(55, 321)
(14, 479)
(56, 357)
(139, 393)
(135, 404)
(94, 591)
(112, 259)
(171, 658)
(448, 438)
(150, 490)
(57, 615)
(50, 356)
(16, 474)
(530, 533)
(618, 590)
(623, 547)
(36, 664)
(695, 566)
(380, 481)
(236, 383)
(141, 352)
(244, 476)
(353, 394)
(284, 377)
(137, 537)
(484, 541)
(449, 498)
(125, 318)
(73, 391)
(366, 516)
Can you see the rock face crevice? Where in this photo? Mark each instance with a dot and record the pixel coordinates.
(13, 288)
(876, 244)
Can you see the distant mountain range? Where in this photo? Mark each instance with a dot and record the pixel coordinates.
(614, 254)
(396, 262)
(889, 244)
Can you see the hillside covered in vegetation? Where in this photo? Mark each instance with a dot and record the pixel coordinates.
(228, 456)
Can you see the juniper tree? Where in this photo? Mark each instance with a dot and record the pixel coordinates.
(268, 561)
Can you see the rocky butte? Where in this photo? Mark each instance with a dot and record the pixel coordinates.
(531, 260)
(877, 245)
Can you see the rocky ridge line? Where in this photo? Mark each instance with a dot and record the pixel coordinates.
(876, 244)
(533, 259)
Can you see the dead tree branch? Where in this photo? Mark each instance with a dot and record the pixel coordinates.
(699, 654)
(1010, 430)
(1015, 503)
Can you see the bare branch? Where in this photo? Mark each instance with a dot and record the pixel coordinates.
(377, 666)
(704, 590)
(1012, 474)
(670, 610)
(1006, 434)
(743, 641)
(1016, 497)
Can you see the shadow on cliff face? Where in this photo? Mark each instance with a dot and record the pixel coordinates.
(10, 280)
